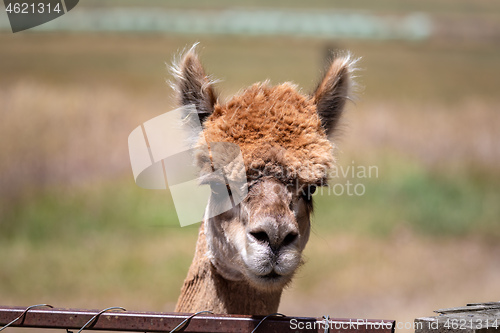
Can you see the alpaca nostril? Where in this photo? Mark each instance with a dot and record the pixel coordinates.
(260, 236)
(290, 238)
(263, 237)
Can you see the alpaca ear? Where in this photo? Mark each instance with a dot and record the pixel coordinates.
(192, 86)
(333, 91)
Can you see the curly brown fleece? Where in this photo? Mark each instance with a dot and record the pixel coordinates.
(277, 129)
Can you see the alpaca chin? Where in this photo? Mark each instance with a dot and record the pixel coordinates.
(270, 282)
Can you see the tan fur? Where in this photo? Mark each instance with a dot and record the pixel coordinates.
(247, 255)
(274, 126)
(205, 289)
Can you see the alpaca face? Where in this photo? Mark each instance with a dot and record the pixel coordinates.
(283, 138)
(261, 239)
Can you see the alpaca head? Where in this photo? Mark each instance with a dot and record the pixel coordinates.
(283, 138)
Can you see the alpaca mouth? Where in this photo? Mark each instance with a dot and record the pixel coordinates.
(270, 281)
(271, 276)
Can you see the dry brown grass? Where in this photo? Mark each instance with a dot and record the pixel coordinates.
(53, 135)
(452, 137)
(400, 278)
(66, 135)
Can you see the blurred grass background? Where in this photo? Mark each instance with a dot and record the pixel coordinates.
(75, 231)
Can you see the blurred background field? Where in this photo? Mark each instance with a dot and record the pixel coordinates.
(75, 230)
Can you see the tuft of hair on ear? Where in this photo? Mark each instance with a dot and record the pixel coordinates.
(336, 87)
(192, 86)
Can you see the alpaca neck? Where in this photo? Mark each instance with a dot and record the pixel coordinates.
(205, 289)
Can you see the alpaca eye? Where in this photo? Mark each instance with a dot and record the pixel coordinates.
(308, 192)
(312, 189)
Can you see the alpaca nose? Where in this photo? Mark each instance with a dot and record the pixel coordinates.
(273, 238)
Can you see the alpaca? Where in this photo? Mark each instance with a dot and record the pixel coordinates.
(246, 256)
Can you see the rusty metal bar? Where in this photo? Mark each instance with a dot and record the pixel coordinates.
(165, 322)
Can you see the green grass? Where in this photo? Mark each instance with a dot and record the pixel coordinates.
(405, 195)
(399, 193)
(116, 243)
(94, 242)
(113, 208)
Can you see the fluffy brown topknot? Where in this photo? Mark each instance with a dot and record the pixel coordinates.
(278, 131)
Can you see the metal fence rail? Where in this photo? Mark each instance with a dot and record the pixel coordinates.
(165, 322)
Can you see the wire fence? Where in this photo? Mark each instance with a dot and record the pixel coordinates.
(119, 319)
